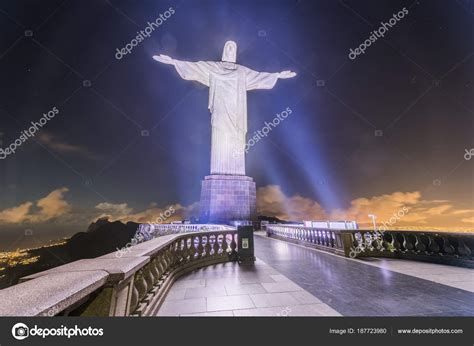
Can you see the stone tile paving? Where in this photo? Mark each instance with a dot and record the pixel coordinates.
(232, 290)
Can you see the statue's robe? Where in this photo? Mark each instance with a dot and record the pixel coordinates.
(228, 84)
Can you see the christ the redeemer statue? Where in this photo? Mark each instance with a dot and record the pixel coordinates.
(228, 84)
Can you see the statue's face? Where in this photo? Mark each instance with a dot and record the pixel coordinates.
(230, 52)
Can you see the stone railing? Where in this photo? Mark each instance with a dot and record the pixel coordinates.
(155, 230)
(132, 284)
(331, 240)
(438, 247)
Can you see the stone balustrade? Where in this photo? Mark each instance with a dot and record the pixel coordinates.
(438, 247)
(133, 282)
(330, 240)
(164, 229)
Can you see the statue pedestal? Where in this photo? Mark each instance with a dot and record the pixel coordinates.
(227, 197)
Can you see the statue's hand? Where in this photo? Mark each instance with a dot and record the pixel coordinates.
(165, 59)
(286, 74)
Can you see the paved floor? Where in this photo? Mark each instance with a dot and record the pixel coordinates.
(371, 288)
(457, 277)
(232, 290)
(307, 282)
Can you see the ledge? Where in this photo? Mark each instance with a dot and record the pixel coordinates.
(50, 293)
(64, 288)
(117, 268)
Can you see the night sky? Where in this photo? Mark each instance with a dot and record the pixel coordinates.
(370, 135)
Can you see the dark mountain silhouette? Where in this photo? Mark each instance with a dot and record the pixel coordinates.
(105, 238)
(101, 237)
(273, 219)
(95, 225)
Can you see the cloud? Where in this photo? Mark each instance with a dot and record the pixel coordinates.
(152, 214)
(468, 220)
(463, 211)
(16, 214)
(271, 201)
(418, 213)
(383, 206)
(116, 209)
(52, 206)
(415, 211)
(45, 209)
(57, 144)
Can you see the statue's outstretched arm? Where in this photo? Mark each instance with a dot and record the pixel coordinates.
(165, 59)
(286, 74)
(197, 71)
(265, 80)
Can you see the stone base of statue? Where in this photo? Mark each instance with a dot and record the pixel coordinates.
(226, 198)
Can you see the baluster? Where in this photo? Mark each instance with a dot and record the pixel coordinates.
(463, 250)
(419, 245)
(178, 251)
(159, 265)
(233, 245)
(134, 299)
(215, 245)
(200, 246)
(165, 260)
(140, 285)
(407, 243)
(148, 276)
(208, 247)
(192, 249)
(395, 243)
(225, 245)
(447, 247)
(155, 270)
(173, 254)
(187, 244)
(385, 244)
(169, 257)
(433, 245)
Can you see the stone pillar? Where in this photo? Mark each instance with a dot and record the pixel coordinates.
(227, 197)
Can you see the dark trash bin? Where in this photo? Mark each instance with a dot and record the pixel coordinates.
(245, 245)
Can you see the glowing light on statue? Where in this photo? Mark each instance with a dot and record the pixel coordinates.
(228, 84)
(227, 194)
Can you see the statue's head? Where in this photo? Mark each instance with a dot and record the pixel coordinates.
(230, 52)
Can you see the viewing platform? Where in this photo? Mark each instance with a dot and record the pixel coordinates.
(309, 282)
(299, 271)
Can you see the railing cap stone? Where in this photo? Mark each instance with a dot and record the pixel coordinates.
(50, 294)
(117, 268)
